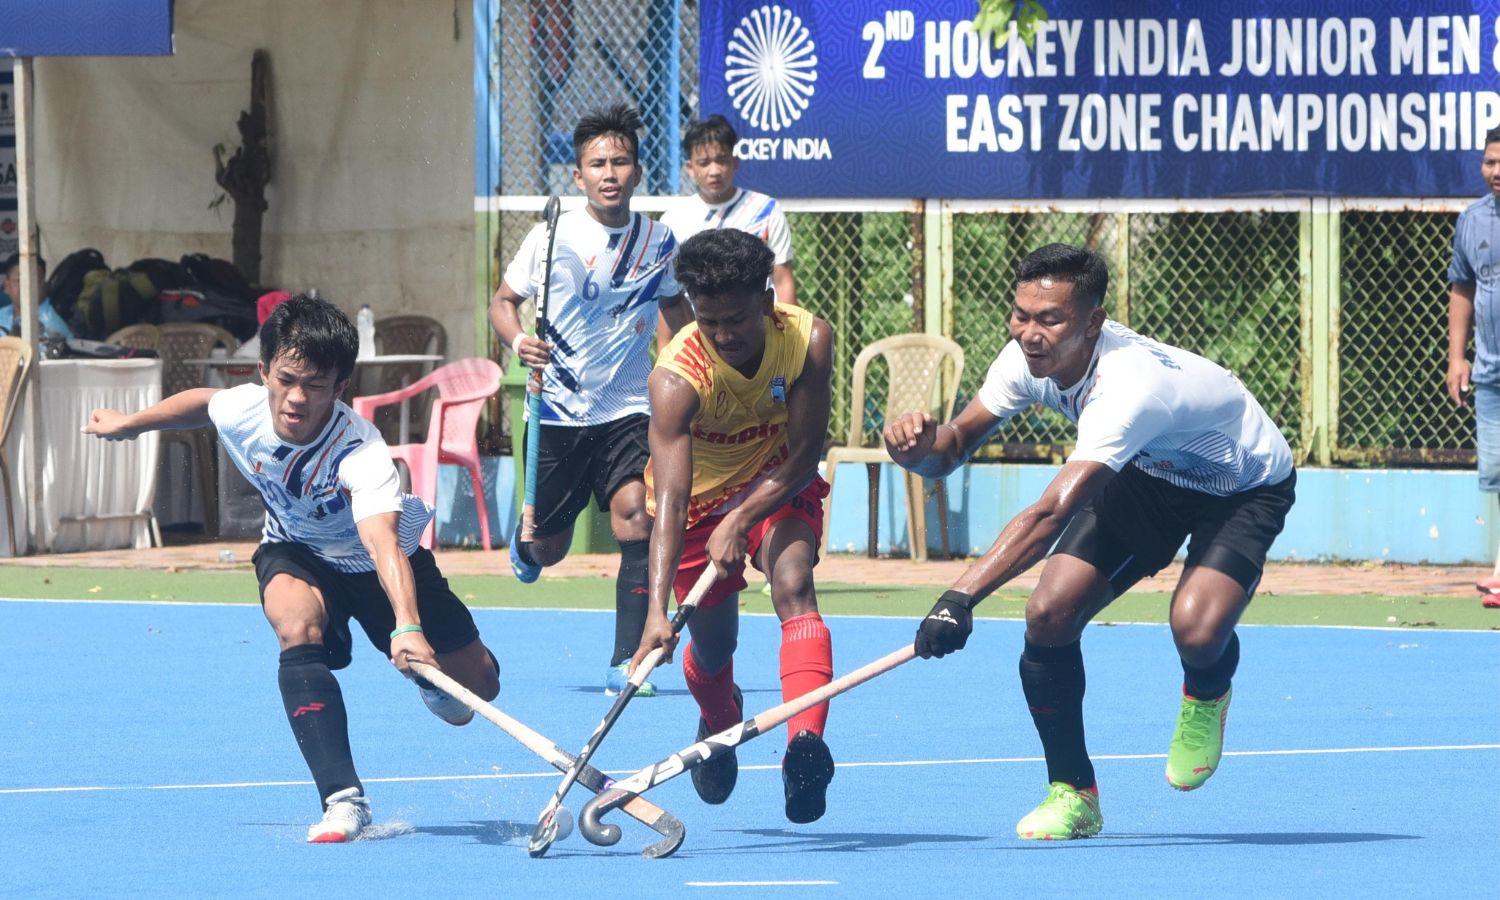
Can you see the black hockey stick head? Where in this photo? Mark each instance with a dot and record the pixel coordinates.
(551, 211)
(659, 820)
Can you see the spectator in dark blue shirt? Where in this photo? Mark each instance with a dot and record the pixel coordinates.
(10, 290)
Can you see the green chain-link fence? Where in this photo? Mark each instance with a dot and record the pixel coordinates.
(1393, 341)
(1334, 314)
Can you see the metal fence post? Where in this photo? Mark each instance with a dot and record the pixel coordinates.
(1318, 255)
(937, 225)
(1122, 269)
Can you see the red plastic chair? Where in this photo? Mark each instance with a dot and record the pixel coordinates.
(452, 428)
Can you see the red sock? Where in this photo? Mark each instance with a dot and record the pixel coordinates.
(714, 693)
(806, 665)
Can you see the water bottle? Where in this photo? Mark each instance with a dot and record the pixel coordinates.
(365, 321)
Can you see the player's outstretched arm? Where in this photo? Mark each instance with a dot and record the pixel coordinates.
(918, 442)
(378, 534)
(674, 402)
(188, 409)
(1022, 543)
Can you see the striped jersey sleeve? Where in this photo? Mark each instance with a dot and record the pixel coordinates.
(315, 494)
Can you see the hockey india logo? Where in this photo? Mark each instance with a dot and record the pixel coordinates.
(770, 66)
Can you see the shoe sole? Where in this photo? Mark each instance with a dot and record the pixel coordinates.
(810, 764)
(467, 715)
(728, 765)
(1077, 835)
(328, 839)
(1184, 787)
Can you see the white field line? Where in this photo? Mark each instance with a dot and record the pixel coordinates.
(759, 883)
(553, 609)
(978, 761)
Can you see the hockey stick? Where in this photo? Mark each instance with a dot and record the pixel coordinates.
(648, 814)
(547, 828)
(622, 792)
(534, 383)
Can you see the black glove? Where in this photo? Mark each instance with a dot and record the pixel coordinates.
(947, 627)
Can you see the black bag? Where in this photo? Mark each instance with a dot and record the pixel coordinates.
(220, 275)
(110, 301)
(74, 347)
(66, 281)
(165, 274)
(211, 306)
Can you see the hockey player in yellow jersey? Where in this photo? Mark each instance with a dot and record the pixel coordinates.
(739, 408)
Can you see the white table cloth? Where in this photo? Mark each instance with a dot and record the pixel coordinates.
(88, 486)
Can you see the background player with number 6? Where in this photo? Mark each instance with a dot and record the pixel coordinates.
(611, 272)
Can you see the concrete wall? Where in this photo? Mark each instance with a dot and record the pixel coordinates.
(371, 199)
(1394, 515)
(1406, 516)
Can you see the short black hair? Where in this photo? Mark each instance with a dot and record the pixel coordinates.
(620, 120)
(15, 260)
(713, 130)
(312, 330)
(1084, 269)
(1492, 136)
(717, 262)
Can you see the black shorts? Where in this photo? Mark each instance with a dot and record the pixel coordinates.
(446, 622)
(1134, 528)
(574, 462)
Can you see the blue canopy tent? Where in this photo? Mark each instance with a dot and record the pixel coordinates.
(32, 28)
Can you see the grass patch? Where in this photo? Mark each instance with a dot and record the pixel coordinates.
(238, 586)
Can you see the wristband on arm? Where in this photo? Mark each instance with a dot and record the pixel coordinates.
(967, 601)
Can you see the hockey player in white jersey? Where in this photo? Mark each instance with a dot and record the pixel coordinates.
(340, 541)
(1171, 447)
(611, 275)
(708, 148)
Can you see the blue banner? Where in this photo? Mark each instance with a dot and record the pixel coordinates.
(85, 27)
(838, 98)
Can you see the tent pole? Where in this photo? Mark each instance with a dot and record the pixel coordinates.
(30, 297)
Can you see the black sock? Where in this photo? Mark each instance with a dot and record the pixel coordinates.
(1052, 679)
(631, 599)
(315, 709)
(1212, 682)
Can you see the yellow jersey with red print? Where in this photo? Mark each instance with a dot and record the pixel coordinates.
(739, 431)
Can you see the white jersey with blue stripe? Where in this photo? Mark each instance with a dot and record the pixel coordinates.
(314, 493)
(601, 312)
(749, 211)
(1170, 413)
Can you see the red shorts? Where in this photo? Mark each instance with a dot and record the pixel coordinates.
(806, 506)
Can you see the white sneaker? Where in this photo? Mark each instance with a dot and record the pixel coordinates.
(452, 711)
(345, 814)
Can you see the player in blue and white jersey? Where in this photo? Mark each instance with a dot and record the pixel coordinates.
(340, 541)
(611, 277)
(1474, 312)
(708, 147)
(1171, 447)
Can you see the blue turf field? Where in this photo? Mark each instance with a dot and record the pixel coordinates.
(148, 755)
